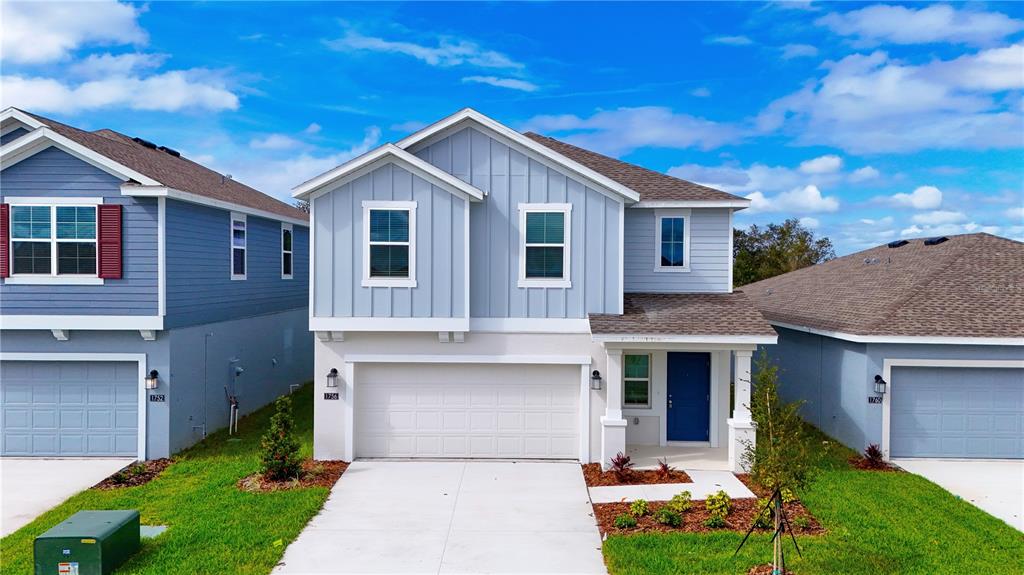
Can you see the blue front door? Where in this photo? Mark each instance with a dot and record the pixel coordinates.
(689, 397)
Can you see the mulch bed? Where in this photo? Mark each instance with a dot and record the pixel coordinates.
(765, 569)
(865, 464)
(314, 474)
(596, 478)
(138, 473)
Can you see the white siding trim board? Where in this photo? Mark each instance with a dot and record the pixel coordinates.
(83, 322)
(159, 191)
(919, 339)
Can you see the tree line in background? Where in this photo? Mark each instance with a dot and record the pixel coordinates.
(761, 252)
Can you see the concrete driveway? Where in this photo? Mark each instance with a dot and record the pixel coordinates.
(31, 486)
(994, 486)
(452, 517)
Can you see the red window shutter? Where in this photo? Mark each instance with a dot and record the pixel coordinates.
(109, 241)
(5, 239)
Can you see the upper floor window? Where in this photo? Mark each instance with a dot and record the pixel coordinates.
(53, 240)
(389, 255)
(286, 251)
(636, 380)
(239, 247)
(672, 240)
(544, 245)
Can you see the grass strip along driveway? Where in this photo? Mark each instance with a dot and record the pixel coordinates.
(213, 527)
(877, 523)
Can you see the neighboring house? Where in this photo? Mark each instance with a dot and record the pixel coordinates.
(122, 260)
(470, 281)
(940, 321)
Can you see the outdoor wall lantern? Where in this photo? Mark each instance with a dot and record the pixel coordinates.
(332, 378)
(595, 380)
(152, 380)
(879, 385)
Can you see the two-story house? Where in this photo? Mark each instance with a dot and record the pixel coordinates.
(142, 295)
(480, 292)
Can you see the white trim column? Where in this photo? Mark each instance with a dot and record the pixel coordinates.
(741, 428)
(613, 427)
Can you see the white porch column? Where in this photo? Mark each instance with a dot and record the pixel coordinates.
(741, 428)
(613, 427)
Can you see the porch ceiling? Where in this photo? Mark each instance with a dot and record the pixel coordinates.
(692, 317)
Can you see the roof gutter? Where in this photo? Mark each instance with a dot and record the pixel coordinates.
(908, 339)
(659, 338)
(139, 191)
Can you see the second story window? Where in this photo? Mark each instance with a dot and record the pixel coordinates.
(544, 249)
(286, 251)
(389, 257)
(672, 245)
(53, 240)
(239, 241)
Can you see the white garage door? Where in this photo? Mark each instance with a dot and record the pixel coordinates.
(469, 411)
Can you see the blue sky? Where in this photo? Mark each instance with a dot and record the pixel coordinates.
(869, 121)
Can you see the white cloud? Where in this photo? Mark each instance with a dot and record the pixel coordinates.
(312, 128)
(864, 174)
(730, 40)
(755, 178)
(510, 83)
(623, 130)
(911, 231)
(939, 217)
(39, 32)
(274, 142)
(1016, 214)
(701, 92)
(871, 103)
(791, 51)
(447, 53)
(169, 92)
(949, 229)
(102, 65)
(922, 198)
(822, 165)
(810, 223)
(937, 23)
(805, 200)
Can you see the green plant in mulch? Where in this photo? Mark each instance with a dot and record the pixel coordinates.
(666, 516)
(680, 502)
(639, 508)
(280, 448)
(625, 521)
(714, 522)
(718, 504)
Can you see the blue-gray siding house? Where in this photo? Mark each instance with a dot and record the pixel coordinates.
(916, 346)
(123, 262)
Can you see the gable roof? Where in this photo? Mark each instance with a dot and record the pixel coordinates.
(970, 286)
(653, 186)
(162, 168)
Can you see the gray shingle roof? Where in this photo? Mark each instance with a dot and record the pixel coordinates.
(683, 314)
(652, 186)
(175, 172)
(969, 286)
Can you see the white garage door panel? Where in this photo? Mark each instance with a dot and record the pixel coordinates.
(957, 412)
(467, 411)
(69, 408)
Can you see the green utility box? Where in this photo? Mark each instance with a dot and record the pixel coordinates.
(88, 543)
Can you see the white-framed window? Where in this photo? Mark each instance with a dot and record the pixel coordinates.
(54, 240)
(287, 259)
(636, 380)
(544, 245)
(389, 244)
(239, 241)
(672, 240)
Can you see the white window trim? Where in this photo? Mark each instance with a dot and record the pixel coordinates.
(660, 215)
(409, 282)
(53, 278)
(285, 227)
(238, 217)
(648, 379)
(564, 281)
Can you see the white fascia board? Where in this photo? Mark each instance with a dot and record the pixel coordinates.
(486, 359)
(469, 114)
(918, 339)
(43, 138)
(137, 191)
(528, 325)
(16, 115)
(654, 338)
(388, 324)
(82, 322)
(737, 204)
(378, 157)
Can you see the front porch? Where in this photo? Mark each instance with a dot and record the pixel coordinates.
(686, 458)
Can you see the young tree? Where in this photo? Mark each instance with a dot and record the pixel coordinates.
(764, 252)
(302, 205)
(280, 455)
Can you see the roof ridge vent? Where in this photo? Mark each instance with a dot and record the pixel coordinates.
(935, 241)
(145, 143)
(897, 243)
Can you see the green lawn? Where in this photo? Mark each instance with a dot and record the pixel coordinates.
(878, 523)
(213, 527)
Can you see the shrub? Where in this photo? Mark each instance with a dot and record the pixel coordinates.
(639, 508)
(280, 448)
(625, 521)
(714, 522)
(763, 520)
(666, 516)
(787, 495)
(664, 469)
(718, 504)
(622, 467)
(873, 457)
(802, 522)
(680, 502)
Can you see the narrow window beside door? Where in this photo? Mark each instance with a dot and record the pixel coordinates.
(637, 381)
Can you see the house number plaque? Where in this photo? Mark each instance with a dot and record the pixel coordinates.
(331, 395)
(874, 399)
(158, 398)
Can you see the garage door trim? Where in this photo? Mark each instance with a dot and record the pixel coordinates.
(139, 358)
(347, 388)
(888, 364)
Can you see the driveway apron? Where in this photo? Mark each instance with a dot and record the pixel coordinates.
(994, 486)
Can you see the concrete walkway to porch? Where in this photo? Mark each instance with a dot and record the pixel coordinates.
(704, 483)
